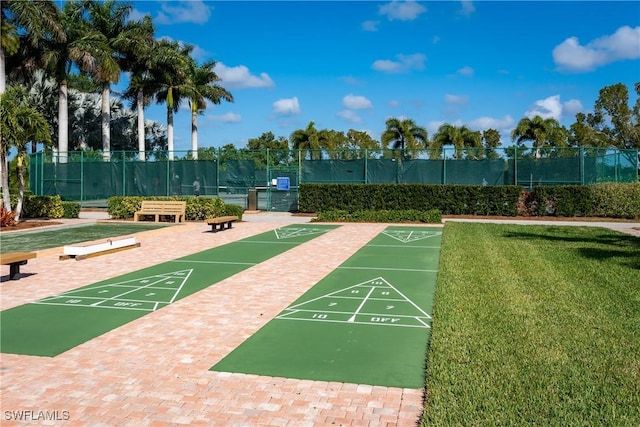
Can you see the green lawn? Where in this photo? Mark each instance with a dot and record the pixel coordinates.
(35, 240)
(535, 325)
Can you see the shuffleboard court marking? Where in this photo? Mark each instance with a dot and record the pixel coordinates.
(373, 302)
(290, 232)
(173, 281)
(407, 236)
(386, 268)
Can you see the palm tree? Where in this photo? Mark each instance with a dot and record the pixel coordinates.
(82, 47)
(149, 57)
(307, 139)
(541, 132)
(404, 134)
(459, 137)
(19, 124)
(109, 18)
(200, 88)
(25, 23)
(172, 84)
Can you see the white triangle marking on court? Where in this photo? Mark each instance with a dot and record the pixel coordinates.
(366, 284)
(410, 236)
(289, 232)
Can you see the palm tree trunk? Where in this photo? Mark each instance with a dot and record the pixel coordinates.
(20, 172)
(194, 134)
(141, 136)
(63, 122)
(3, 73)
(170, 132)
(4, 179)
(106, 122)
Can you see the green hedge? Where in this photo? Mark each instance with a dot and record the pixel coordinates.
(41, 207)
(448, 199)
(198, 208)
(71, 209)
(611, 200)
(432, 216)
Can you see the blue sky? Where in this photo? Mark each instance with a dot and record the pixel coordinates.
(352, 65)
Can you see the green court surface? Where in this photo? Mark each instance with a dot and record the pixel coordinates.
(58, 323)
(35, 240)
(367, 322)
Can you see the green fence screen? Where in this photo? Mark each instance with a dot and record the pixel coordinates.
(86, 176)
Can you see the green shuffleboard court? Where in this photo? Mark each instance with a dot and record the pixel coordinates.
(58, 323)
(367, 322)
(36, 240)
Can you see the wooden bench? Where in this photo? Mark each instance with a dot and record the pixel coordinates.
(14, 260)
(220, 222)
(160, 208)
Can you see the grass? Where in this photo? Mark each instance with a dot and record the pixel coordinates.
(535, 325)
(34, 240)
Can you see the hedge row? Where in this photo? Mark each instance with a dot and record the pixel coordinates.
(611, 200)
(448, 199)
(412, 215)
(198, 208)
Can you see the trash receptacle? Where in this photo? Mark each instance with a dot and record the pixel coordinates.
(252, 200)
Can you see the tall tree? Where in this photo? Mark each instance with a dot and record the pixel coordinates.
(404, 134)
(202, 87)
(307, 140)
(460, 137)
(542, 133)
(613, 116)
(172, 83)
(82, 47)
(20, 123)
(109, 19)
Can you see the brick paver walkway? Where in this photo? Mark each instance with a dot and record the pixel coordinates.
(154, 370)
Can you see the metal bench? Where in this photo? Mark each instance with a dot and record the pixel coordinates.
(159, 208)
(14, 260)
(218, 223)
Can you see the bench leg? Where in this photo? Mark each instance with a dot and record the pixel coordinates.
(14, 269)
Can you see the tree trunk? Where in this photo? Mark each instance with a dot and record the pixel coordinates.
(194, 134)
(106, 122)
(170, 132)
(4, 173)
(63, 122)
(20, 173)
(3, 73)
(141, 135)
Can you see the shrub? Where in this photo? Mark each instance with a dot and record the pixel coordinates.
(42, 207)
(6, 218)
(616, 200)
(432, 216)
(71, 209)
(198, 208)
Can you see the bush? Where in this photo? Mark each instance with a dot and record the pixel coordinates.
(563, 200)
(432, 216)
(198, 208)
(42, 207)
(71, 209)
(616, 200)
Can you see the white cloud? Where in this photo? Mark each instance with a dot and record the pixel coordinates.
(136, 15)
(370, 26)
(181, 11)
(352, 80)
(287, 107)
(404, 63)
(551, 107)
(240, 77)
(570, 55)
(484, 123)
(571, 107)
(226, 118)
(455, 99)
(467, 8)
(349, 116)
(356, 102)
(402, 10)
(466, 71)
(394, 103)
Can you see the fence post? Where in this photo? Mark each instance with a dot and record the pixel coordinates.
(444, 165)
(515, 165)
(581, 165)
(81, 176)
(366, 166)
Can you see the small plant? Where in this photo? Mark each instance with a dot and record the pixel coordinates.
(7, 218)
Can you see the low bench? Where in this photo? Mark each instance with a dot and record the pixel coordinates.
(14, 260)
(218, 223)
(159, 208)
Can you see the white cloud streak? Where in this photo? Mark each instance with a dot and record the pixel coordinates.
(570, 55)
(402, 10)
(183, 11)
(356, 102)
(239, 77)
(403, 63)
(287, 106)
